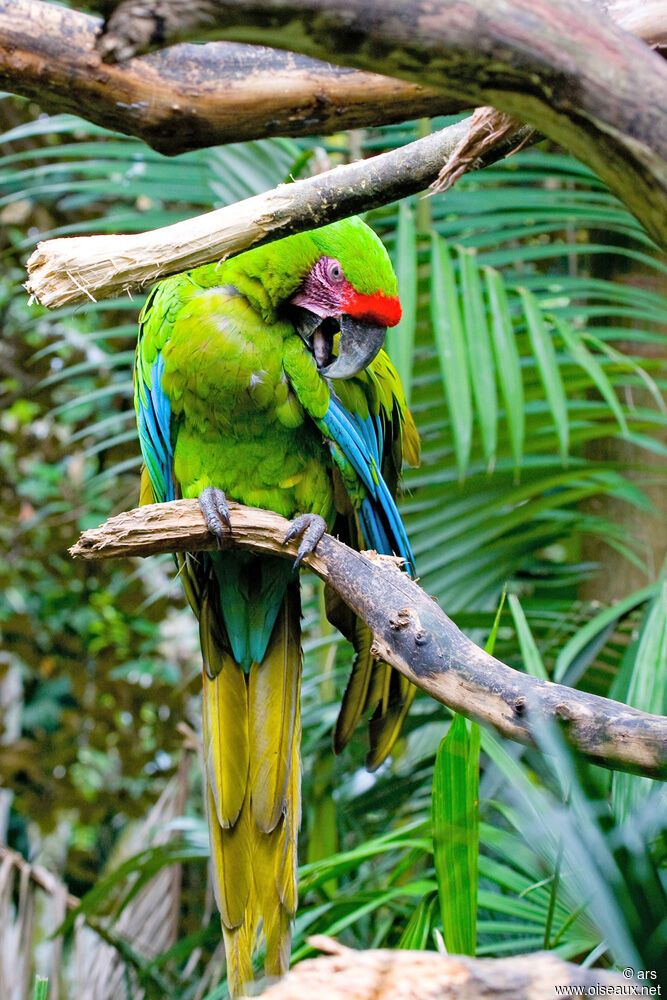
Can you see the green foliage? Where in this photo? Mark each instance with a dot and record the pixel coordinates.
(455, 808)
(645, 673)
(41, 987)
(401, 338)
(518, 353)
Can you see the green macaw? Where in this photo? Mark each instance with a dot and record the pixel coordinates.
(262, 379)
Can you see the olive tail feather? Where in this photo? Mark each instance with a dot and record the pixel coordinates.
(252, 736)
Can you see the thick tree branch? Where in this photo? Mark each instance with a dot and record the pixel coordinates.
(391, 974)
(200, 95)
(559, 64)
(410, 632)
(193, 96)
(643, 18)
(78, 268)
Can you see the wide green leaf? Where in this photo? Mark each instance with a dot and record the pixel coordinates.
(401, 338)
(507, 361)
(455, 813)
(547, 363)
(450, 343)
(480, 358)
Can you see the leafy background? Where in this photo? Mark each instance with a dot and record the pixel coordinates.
(532, 349)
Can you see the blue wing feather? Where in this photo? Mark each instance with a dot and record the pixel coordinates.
(154, 423)
(361, 442)
(371, 527)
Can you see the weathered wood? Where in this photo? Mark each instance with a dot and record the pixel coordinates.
(36, 873)
(561, 65)
(411, 632)
(393, 974)
(78, 268)
(647, 19)
(488, 128)
(193, 96)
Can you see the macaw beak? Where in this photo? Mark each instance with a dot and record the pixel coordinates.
(358, 344)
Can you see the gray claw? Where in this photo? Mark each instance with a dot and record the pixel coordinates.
(213, 503)
(311, 527)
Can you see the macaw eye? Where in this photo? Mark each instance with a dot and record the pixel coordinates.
(335, 271)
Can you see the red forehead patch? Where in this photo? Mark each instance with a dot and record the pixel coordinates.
(381, 309)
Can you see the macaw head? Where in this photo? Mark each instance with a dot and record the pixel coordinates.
(350, 289)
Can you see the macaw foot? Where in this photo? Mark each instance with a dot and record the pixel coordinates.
(310, 527)
(213, 503)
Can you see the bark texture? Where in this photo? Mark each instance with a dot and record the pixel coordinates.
(561, 65)
(411, 632)
(488, 128)
(78, 268)
(384, 974)
(193, 96)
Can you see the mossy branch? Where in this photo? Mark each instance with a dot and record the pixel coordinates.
(561, 65)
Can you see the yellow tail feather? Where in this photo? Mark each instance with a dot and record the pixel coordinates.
(238, 949)
(232, 864)
(273, 693)
(356, 691)
(385, 725)
(225, 730)
(254, 846)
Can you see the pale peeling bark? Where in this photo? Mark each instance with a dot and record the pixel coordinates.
(647, 19)
(411, 633)
(81, 268)
(488, 128)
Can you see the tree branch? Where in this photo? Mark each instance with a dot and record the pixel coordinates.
(392, 974)
(192, 96)
(546, 61)
(38, 874)
(643, 18)
(410, 632)
(78, 268)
